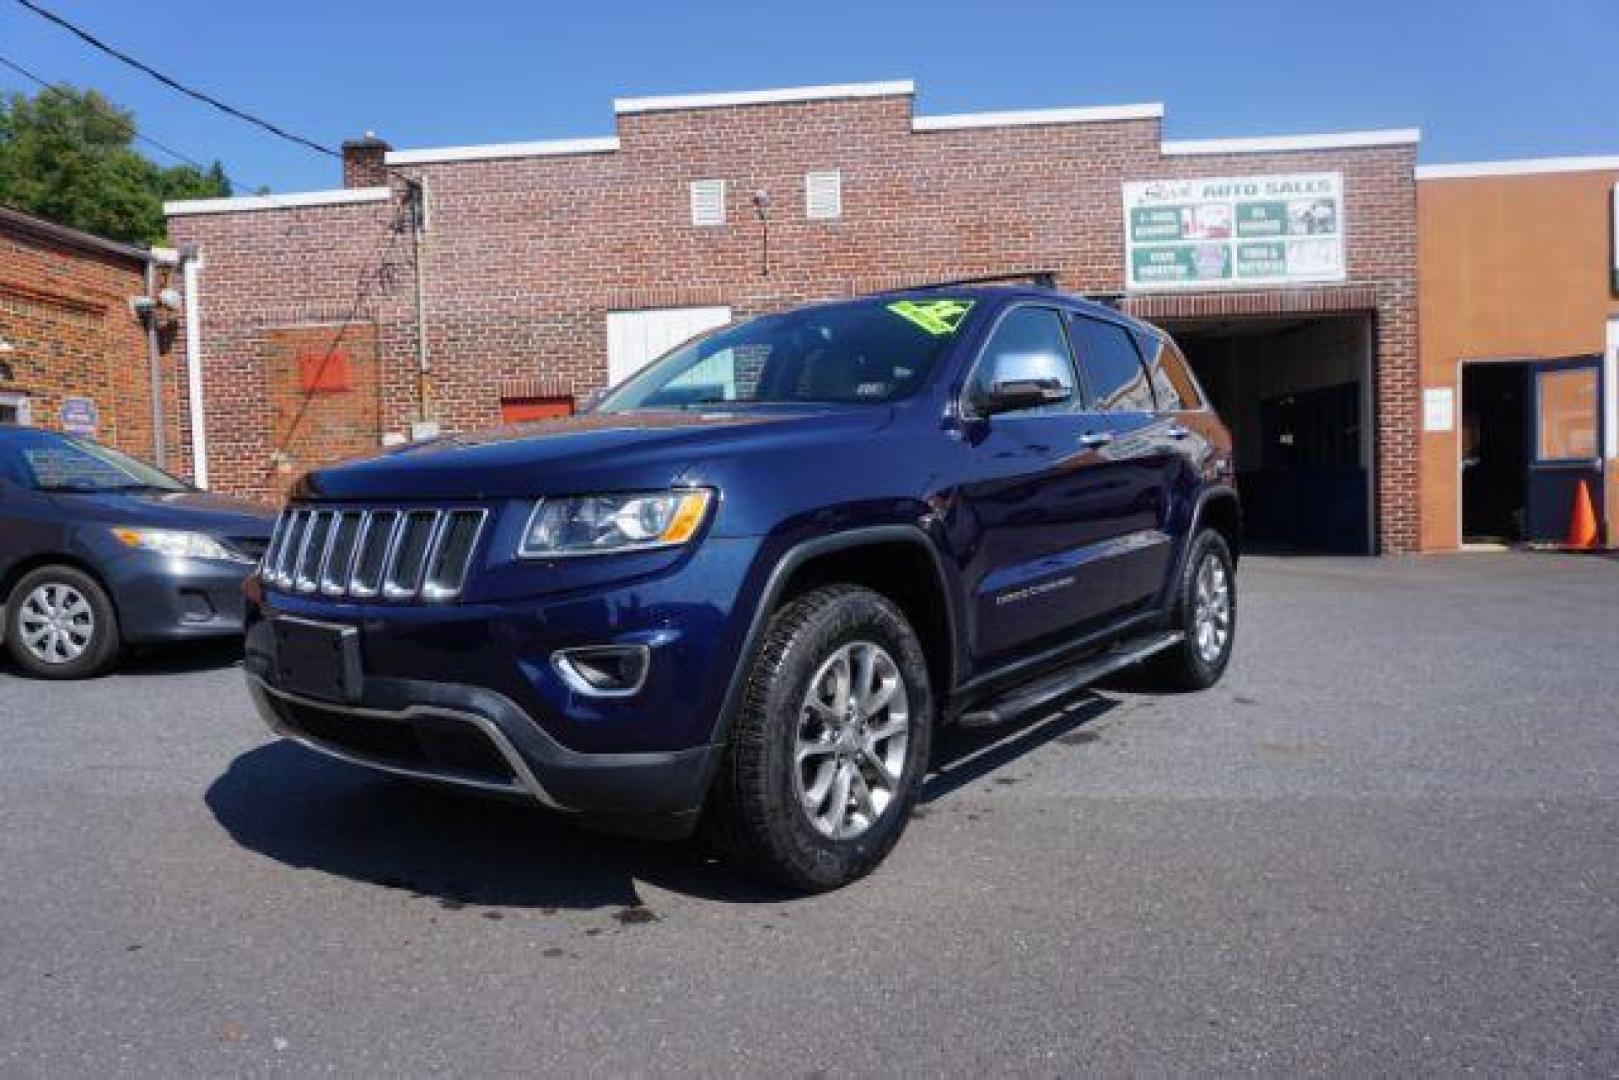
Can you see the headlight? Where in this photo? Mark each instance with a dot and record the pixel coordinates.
(179, 545)
(602, 524)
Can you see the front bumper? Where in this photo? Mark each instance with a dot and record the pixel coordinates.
(165, 599)
(472, 738)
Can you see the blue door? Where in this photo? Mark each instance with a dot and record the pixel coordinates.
(1565, 448)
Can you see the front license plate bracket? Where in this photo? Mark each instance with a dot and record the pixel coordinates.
(317, 660)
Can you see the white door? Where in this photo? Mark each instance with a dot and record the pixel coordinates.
(636, 338)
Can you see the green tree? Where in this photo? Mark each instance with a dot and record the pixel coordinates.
(67, 155)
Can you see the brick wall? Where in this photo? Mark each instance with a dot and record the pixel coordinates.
(64, 309)
(525, 256)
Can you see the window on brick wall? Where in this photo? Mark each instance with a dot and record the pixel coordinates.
(14, 409)
(823, 195)
(708, 202)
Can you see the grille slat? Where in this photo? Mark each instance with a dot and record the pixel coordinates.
(388, 554)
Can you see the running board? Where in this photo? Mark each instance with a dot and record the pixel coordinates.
(1025, 699)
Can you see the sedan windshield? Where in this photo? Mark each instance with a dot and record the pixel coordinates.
(865, 351)
(61, 464)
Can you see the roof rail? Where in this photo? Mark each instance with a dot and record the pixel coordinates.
(1044, 279)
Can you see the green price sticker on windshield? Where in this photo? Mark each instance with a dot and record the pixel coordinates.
(937, 317)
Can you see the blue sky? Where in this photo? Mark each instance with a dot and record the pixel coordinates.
(1483, 78)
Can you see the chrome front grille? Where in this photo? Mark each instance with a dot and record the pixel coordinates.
(395, 555)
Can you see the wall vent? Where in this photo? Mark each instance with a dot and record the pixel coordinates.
(823, 195)
(708, 202)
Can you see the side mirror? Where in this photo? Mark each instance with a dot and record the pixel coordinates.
(1016, 394)
(594, 398)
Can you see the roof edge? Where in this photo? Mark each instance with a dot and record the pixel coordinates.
(541, 148)
(1339, 140)
(73, 237)
(782, 95)
(1077, 114)
(1519, 167)
(288, 201)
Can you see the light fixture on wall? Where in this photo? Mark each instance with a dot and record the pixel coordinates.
(6, 346)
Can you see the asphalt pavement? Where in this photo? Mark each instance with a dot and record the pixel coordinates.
(1387, 842)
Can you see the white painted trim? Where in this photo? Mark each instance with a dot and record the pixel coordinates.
(335, 197)
(733, 98)
(1084, 114)
(489, 151)
(1342, 140)
(1518, 167)
(193, 317)
(1610, 394)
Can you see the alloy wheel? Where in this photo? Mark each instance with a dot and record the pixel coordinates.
(852, 734)
(1211, 609)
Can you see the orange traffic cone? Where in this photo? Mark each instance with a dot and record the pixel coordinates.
(1582, 522)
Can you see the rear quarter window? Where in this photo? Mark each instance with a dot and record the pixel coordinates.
(1172, 380)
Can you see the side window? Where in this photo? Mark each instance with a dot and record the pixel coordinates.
(1028, 345)
(1118, 381)
(1171, 379)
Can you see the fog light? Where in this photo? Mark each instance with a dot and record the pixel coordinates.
(604, 670)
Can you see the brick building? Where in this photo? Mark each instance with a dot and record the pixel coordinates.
(1520, 349)
(74, 353)
(455, 287)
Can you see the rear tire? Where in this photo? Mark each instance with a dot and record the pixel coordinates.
(60, 624)
(1205, 612)
(829, 745)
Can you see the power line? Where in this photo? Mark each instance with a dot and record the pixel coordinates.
(135, 133)
(207, 99)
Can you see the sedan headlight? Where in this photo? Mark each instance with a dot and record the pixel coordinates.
(604, 524)
(178, 544)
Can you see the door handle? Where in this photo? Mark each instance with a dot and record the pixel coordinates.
(1178, 431)
(1093, 439)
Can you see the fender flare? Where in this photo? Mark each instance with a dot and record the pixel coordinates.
(1205, 497)
(794, 558)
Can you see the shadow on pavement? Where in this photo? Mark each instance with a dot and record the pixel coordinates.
(178, 658)
(963, 755)
(307, 811)
(182, 658)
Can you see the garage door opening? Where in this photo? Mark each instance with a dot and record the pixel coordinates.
(1297, 394)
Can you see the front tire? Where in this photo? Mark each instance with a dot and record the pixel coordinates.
(1205, 612)
(830, 743)
(60, 624)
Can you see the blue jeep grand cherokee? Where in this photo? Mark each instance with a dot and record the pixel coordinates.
(745, 589)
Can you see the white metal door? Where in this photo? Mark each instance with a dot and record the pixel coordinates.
(636, 338)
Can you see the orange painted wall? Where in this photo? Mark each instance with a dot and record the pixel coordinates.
(1508, 267)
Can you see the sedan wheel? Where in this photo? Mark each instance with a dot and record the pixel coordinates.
(57, 623)
(60, 624)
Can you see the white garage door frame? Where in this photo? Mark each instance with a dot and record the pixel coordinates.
(636, 338)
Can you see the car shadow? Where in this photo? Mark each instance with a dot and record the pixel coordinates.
(307, 811)
(182, 658)
(177, 658)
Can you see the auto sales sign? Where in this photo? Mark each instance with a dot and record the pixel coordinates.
(1234, 231)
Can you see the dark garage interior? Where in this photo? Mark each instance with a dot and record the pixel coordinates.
(1296, 393)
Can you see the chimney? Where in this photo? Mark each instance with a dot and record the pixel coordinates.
(363, 164)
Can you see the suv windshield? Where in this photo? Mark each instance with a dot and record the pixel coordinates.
(62, 464)
(859, 352)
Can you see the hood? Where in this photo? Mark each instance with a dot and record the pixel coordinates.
(608, 452)
(197, 511)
